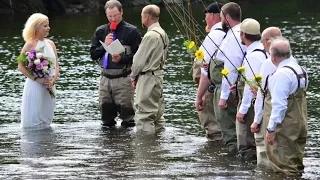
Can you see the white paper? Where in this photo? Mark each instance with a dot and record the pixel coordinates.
(114, 48)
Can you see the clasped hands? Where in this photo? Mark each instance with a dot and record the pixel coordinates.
(108, 40)
(49, 83)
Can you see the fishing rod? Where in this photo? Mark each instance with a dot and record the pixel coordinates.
(195, 36)
(238, 45)
(198, 24)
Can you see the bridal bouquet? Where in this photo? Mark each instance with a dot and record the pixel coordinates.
(37, 64)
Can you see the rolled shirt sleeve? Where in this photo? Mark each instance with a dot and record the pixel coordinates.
(255, 60)
(279, 88)
(209, 45)
(231, 53)
(267, 68)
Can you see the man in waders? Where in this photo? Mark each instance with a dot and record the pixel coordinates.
(115, 91)
(287, 128)
(204, 99)
(230, 57)
(259, 125)
(147, 73)
(255, 56)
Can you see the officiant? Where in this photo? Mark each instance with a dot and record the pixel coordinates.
(115, 90)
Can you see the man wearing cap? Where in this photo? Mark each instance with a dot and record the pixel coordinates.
(287, 127)
(255, 55)
(259, 125)
(204, 99)
(229, 56)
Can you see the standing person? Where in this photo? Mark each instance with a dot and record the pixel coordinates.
(115, 91)
(147, 73)
(204, 99)
(287, 128)
(229, 56)
(259, 125)
(38, 106)
(255, 56)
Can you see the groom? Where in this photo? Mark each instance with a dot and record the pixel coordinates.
(115, 90)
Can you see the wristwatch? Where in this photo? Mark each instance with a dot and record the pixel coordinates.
(270, 131)
(34, 78)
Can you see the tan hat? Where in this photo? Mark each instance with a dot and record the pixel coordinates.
(250, 26)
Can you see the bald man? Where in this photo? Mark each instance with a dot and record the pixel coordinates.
(287, 126)
(147, 73)
(259, 126)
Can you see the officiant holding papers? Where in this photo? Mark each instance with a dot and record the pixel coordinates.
(115, 90)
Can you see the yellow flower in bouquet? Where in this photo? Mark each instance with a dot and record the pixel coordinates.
(199, 55)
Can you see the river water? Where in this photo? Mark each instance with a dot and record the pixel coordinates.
(76, 147)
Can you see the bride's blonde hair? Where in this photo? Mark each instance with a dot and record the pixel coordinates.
(32, 23)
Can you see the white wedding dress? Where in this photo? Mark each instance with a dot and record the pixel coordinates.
(37, 106)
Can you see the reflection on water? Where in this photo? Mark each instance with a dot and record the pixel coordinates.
(76, 147)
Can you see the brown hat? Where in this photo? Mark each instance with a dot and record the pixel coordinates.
(250, 26)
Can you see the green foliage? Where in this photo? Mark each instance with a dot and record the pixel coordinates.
(22, 58)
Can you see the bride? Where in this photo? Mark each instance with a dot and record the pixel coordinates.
(38, 106)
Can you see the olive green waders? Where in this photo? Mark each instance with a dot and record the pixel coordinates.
(149, 101)
(116, 96)
(286, 155)
(207, 117)
(245, 138)
(225, 117)
(262, 160)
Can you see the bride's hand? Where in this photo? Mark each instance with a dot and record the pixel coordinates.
(51, 84)
(44, 81)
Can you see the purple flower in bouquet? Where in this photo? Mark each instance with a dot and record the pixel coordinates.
(31, 65)
(44, 62)
(39, 66)
(32, 55)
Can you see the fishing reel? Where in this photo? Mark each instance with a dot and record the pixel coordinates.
(211, 88)
(235, 101)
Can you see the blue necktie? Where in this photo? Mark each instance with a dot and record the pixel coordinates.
(106, 55)
(244, 56)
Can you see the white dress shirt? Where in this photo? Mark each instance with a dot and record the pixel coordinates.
(282, 84)
(267, 68)
(231, 46)
(210, 43)
(252, 63)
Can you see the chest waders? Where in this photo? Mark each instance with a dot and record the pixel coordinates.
(286, 156)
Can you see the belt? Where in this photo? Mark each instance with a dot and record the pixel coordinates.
(156, 72)
(146, 73)
(124, 74)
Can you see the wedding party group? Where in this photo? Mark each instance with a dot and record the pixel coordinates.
(251, 92)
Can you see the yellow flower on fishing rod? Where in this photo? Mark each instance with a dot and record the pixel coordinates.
(225, 72)
(191, 45)
(258, 78)
(199, 54)
(241, 69)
